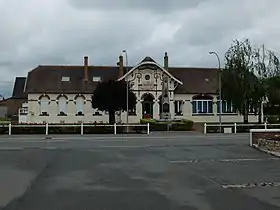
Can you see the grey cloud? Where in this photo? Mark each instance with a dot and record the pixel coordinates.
(57, 32)
(152, 5)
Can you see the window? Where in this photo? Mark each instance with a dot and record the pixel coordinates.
(226, 107)
(80, 106)
(96, 79)
(96, 112)
(132, 112)
(44, 105)
(147, 77)
(23, 111)
(62, 101)
(178, 108)
(202, 106)
(65, 79)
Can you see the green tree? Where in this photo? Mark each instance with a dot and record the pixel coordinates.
(238, 79)
(267, 71)
(110, 96)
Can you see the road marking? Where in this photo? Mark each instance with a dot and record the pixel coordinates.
(43, 141)
(222, 160)
(251, 185)
(11, 148)
(146, 146)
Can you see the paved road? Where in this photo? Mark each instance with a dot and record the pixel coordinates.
(174, 171)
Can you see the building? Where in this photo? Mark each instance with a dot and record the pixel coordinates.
(9, 107)
(62, 94)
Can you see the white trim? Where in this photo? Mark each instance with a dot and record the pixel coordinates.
(152, 63)
(207, 106)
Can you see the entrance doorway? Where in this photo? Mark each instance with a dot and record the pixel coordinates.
(147, 106)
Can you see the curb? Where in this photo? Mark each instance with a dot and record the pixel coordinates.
(275, 154)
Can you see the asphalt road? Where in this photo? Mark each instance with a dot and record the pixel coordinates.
(169, 171)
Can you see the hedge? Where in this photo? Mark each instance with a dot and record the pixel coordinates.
(176, 125)
(240, 128)
(59, 129)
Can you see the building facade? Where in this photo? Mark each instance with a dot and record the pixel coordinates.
(62, 94)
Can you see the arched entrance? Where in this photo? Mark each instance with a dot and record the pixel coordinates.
(147, 105)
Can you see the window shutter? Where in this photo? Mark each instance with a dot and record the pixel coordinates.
(44, 103)
(62, 104)
(80, 104)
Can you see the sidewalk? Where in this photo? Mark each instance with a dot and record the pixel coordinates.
(274, 153)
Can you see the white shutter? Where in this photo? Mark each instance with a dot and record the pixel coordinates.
(80, 104)
(44, 103)
(62, 105)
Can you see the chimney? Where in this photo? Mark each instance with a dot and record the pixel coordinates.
(86, 68)
(166, 61)
(120, 63)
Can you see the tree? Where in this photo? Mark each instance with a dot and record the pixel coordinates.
(246, 79)
(110, 96)
(266, 67)
(238, 79)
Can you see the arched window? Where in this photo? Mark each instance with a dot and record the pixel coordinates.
(62, 103)
(44, 102)
(80, 100)
(202, 104)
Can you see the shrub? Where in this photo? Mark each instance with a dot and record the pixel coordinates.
(180, 125)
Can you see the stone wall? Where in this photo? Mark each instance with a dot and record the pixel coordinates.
(267, 140)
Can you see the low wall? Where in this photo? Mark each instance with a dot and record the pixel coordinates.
(267, 140)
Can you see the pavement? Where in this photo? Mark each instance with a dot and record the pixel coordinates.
(166, 171)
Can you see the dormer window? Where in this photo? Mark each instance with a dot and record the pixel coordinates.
(96, 79)
(65, 79)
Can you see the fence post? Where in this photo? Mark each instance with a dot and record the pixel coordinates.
(10, 129)
(82, 128)
(205, 128)
(235, 128)
(47, 129)
(265, 125)
(148, 128)
(115, 128)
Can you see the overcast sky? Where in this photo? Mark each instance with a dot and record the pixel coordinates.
(37, 32)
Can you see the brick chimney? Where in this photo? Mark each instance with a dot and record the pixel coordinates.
(166, 61)
(86, 68)
(120, 63)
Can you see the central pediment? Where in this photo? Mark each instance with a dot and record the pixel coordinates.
(148, 64)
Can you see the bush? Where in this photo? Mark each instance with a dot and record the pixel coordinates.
(180, 125)
(240, 128)
(62, 129)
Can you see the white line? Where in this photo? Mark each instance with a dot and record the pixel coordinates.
(252, 185)
(222, 160)
(130, 146)
(11, 148)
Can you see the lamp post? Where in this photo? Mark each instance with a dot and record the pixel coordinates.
(220, 90)
(126, 65)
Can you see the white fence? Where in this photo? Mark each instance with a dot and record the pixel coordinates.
(82, 126)
(236, 125)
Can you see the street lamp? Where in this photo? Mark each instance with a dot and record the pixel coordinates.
(126, 65)
(220, 90)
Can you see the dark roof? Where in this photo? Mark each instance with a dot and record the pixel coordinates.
(47, 79)
(147, 59)
(196, 80)
(18, 91)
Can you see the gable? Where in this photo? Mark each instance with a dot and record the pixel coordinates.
(149, 64)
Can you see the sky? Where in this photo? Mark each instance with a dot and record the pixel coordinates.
(62, 32)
